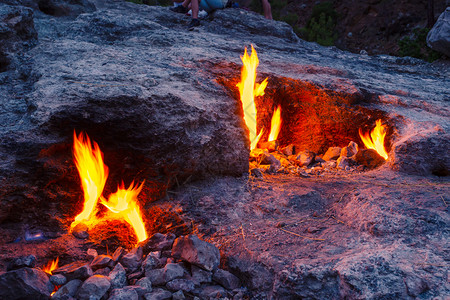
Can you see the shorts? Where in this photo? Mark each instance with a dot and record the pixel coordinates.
(210, 5)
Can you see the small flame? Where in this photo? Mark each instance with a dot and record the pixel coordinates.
(376, 139)
(124, 203)
(50, 266)
(248, 90)
(275, 125)
(93, 173)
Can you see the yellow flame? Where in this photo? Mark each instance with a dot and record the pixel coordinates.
(93, 173)
(275, 125)
(376, 138)
(124, 203)
(50, 266)
(248, 90)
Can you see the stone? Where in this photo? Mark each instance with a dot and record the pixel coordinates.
(22, 262)
(67, 291)
(103, 271)
(200, 276)
(369, 158)
(156, 276)
(91, 254)
(178, 296)
(257, 172)
(25, 283)
(158, 242)
(58, 279)
(136, 275)
(133, 259)
(226, 279)
(254, 275)
(80, 231)
(76, 270)
(305, 158)
(152, 262)
(126, 293)
(343, 162)
(212, 292)
(101, 261)
(184, 285)
(330, 164)
(94, 288)
(60, 8)
(117, 255)
(350, 150)
(158, 294)
(269, 146)
(195, 251)
(117, 277)
(168, 273)
(438, 38)
(145, 284)
(288, 150)
(332, 153)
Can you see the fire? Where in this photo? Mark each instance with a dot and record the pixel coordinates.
(50, 266)
(93, 173)
(248, 90)
(123, 202)
(275, 125)
(376, 138)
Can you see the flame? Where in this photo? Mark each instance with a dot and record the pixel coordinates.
(50, 266)
(248, 90)
(124, 203)
(275, 125)
(93, 173)
(376, 139)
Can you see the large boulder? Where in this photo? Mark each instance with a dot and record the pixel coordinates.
(25, 283)
(439, 36)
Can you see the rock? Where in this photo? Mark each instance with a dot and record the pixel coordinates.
(212, 292)
(156, 276)
(226, 279)
(350, 150)
(136, 275)
(195, 251)
(145, 284)
(91, 254)
(76, 270)
(330, 164)
(305, 158)
(180, 284)
(438, 38)
(25, 283)
(269, 146)
(104, 271)
(101, 261)
(133, 259)
(152, 262)
(332, 153)
(343, 162)
(158, 242)
(253, 275)
(117, 277)
(162, 276)
(22, 262)
(60, 8)
(178, 296)
(126, 293)
(158, 294)
(58, 279)
(68, 290)
(200, 276)
(288, 150)
(117, 255)
(369, 158)
(94, 288)
(256, 172)
(80, 231)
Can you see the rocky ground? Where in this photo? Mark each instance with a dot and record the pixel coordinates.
(161, 102)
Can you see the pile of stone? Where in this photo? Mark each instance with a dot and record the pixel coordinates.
(287, 160)
(161, 267)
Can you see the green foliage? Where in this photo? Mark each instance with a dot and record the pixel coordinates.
(276, 7)
(321, 26)
(416, 46)
(290, 18)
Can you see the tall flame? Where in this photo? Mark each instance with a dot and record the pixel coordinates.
(275, 125)
(376, 138)
(50, 266)
(248, 90)
(93, 173)
(124, 203)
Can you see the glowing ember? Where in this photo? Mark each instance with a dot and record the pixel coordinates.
(93, 173)
(124, 204)
(50, 266)
(275, 125)
(376, 139)
(248, 90)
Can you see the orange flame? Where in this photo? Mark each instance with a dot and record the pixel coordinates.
(275, 125)
(124, 203)
(376, 139)
(50, 266)
(248, 90)
(93, 173)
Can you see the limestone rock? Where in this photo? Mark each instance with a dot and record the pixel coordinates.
(80, 231)
(178, 296)
(195, 251)
(94, 288)
(58, 279)
(305, 158)
(439, 36)
(145, 284)
(152, 262)
(350, 150)
(22, 262)
(117, 255)
(184, 285)
(158, 294)
(60, 8)
(226, 279)
(68, 290)
(126, 293)
(25, 283)
(101, 261)
(158, 242)
(332, 153)
(76, 270)
(118, 277)
(200, 276)
(369, 158)
(91, 254)
(133, 259)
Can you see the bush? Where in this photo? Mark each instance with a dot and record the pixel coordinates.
(321, 26)
(416, 46)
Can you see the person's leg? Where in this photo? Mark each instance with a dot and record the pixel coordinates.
(267, 9)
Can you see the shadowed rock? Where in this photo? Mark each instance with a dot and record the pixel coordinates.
(25, 283)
